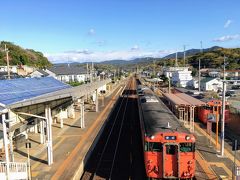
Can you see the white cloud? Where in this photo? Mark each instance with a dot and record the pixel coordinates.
(228, 23)
(100, 42)
(227, 38)
(135, 48)
(91, 32)
(84, 56)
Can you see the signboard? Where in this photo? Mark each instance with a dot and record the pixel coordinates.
(211, 117)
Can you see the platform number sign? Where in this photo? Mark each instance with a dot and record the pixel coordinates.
(235, 145)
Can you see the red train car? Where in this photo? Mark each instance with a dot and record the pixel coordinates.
(213, 107)
(169, 149)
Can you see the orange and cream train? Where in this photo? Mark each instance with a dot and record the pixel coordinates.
(169, 149)
(213, 106)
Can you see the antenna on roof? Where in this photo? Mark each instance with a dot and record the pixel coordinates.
(168, 126)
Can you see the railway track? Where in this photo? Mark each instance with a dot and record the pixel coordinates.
(118, 153)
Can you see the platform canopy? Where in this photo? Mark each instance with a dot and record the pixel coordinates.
(176, 100)
(183, 99)
(17, 90)
(22, 92)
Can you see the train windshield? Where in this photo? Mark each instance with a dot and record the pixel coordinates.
(187, 147)
(153, 146)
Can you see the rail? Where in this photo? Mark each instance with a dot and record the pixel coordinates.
(122, 104)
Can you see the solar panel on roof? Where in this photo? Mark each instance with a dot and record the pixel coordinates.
(16, 90)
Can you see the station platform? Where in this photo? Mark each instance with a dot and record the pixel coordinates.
(70, 143)
(208, 156)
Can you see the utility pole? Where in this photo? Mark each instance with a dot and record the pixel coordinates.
(154, 68)
(184, 55)
(223, 109)
(176, 63)
(87, 73)
(199, 73)
(92, 70)
(5, 141)
(169, 85)
(8, 70)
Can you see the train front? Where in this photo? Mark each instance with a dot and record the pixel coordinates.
(170, 155)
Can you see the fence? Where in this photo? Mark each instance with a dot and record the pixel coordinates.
(16, 170)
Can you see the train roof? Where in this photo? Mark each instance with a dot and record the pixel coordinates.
(157, 117)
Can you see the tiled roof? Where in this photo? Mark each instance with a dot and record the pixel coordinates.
(207, 79)
(68, 70)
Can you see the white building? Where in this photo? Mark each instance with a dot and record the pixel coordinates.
(168, 71)
(181, 78)
(12, 69)
(211, 84)
(68, 73)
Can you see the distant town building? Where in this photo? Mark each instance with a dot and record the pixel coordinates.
(214, 74)
(4, 75)
(12, 69)
(232, 74)
(211, 84)
(168, 71)
(181, 77)
(68, 73)
(21, 70)
(193, 83)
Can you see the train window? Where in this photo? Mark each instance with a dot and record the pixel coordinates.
(207, 108)
(187, 147)
(153, 146)
(170, 149)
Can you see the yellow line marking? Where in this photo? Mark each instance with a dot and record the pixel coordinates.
(35, 174)
(35, 165)
(70, 135)
(220, 164)
(204, 165)
(226, 152)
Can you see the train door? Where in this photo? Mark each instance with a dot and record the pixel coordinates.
(170, 160)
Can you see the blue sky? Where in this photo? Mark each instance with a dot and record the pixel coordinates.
(92, 30)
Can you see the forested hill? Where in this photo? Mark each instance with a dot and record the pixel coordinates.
(20, 56)
(210, 59)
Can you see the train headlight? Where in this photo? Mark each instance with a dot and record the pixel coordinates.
(152, 137)
(187, 137)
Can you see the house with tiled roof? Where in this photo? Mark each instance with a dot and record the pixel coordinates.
(39, 73)
(68, 73)
(211, 84)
